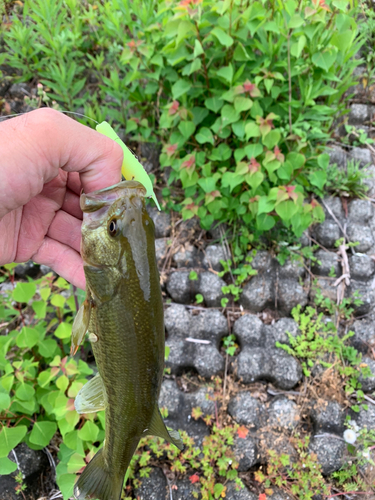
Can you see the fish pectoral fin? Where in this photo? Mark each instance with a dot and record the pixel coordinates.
(159, 429)
(92, 397)
(80, 325)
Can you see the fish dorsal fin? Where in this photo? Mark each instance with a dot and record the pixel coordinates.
(92, 397)
(158, 428)
(80, 325)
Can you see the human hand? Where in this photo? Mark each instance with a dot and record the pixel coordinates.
(46, 159)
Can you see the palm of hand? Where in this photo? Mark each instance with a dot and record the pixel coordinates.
(47, 229)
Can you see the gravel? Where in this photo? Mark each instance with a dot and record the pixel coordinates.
(362, 267)
(249, 331)
(213, 255)
(327, 416)
(257, 294)
(153, 487)
(328, 261)
(247, 410)
(274, 365)
(246, 452)
(210, 286)
(330, 451)
(283, 414)
(358, 233)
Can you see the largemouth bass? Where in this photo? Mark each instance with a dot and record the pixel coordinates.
(123, 314)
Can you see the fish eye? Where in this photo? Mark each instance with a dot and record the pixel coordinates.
(113, 227)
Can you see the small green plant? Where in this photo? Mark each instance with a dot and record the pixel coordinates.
(318, 339)
(242, 272)
(193, 276)
(21, 486)
(343, 310)
(352, 476)
(301, 477)
(347, 181)
(199, 298)
(230, 345)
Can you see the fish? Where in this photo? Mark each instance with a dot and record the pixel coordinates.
(123, 316)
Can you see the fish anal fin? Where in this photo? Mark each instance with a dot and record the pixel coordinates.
(80, 325)
(92, 397)
(158, 428)
(96, 481)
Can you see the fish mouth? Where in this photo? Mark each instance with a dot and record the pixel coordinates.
(92, 202)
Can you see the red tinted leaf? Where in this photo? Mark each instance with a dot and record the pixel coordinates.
(242, 432)
(194, 478)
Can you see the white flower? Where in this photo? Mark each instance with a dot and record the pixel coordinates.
(366, 454)
(353, 425)
(350, 436)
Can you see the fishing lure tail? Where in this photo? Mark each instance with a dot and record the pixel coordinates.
(97, 482)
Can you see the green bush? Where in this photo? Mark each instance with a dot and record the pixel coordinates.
(243, 95)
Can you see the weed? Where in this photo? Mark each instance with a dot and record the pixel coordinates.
(319, 343)
(301, 477)
(347, 181)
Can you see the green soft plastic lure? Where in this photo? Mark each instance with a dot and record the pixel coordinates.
(132, 169)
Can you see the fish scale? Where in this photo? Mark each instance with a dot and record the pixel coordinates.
(124, 311)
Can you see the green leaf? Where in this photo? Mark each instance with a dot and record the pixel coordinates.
(199, 114)
(63, 331)
(4, 401)
(240, 54)
(223, 38)
(75, 463)
(222, 153)
(24, 292)
(242, 103)
(218, 489)
(25, 391)
(318, 178)
(58, 300)
(265, 205)
(297, 47)
(45, 377)
(28, 337)
(231, 180)
(208, 184)
(89, 432)
(286, 209)
(239, 129)
(340, 4)
(10, 437)
(226, 72)
(204, 135)
(251, 130)
(271, 139)
(66, 484)
(214, 103)
(265, 222)
(325, 59)
(253, 150)
(186, 128)
(180, 88)
(40, 308)
(229, 114)
(254, 180)
(42, 432)
(198, 49)
(47, 348)
(7, 466)
(295, 22)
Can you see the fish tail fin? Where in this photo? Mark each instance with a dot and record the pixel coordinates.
(97, 482)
